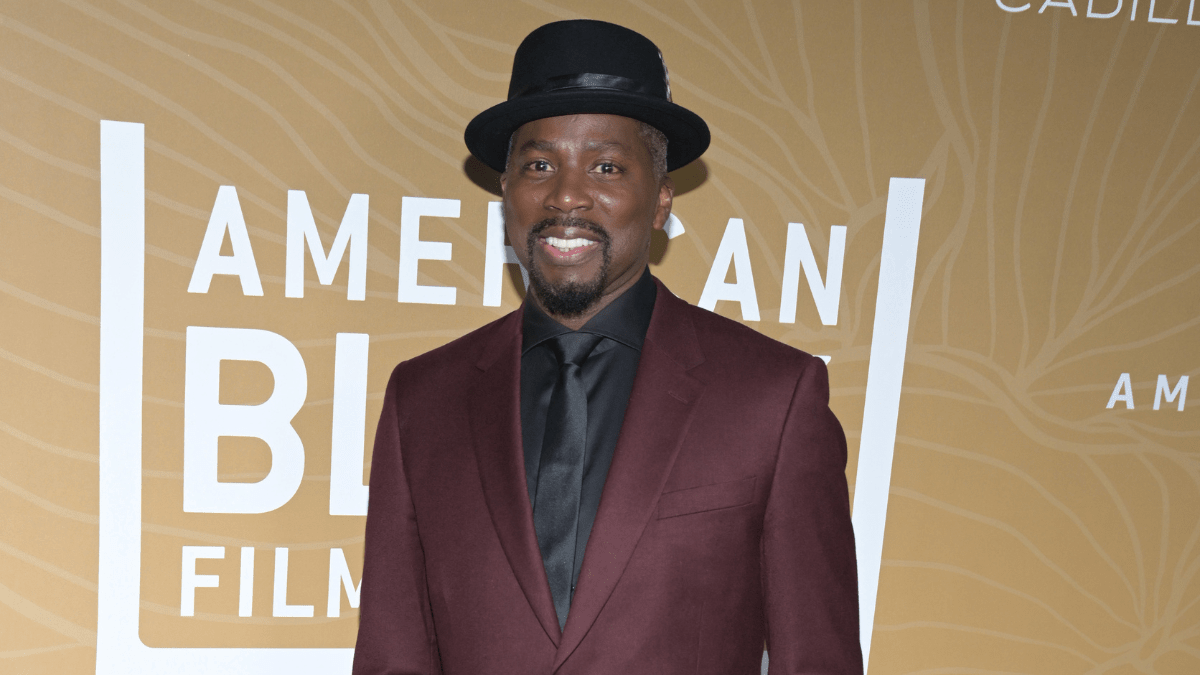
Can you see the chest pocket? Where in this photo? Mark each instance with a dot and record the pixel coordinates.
(706, 498)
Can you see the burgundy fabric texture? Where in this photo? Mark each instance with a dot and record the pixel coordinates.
(724, 521)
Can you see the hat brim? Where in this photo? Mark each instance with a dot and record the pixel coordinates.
(487, 135)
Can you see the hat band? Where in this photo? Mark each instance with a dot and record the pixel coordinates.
(590, 81)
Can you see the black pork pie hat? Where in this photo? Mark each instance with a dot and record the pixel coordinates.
(585, 66)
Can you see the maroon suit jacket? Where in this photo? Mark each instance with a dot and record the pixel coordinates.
(724, 521)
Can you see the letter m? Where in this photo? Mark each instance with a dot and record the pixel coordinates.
(351, 234)
(1163, 390)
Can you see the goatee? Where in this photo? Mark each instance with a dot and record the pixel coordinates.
(571, 299)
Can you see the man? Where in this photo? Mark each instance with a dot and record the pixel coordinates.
(607, 480)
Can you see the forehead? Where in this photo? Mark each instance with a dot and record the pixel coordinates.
(587, 129)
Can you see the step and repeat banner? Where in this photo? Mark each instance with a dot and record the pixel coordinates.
(224, 222)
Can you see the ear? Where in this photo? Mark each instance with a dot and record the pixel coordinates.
(503, 181)
(666, 196)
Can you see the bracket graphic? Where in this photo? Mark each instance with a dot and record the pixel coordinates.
(119, 649)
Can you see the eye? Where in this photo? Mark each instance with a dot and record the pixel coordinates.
(538, 165)
(608, 168)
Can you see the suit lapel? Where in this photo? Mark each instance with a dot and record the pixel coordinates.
(495, 413)
(660, 409)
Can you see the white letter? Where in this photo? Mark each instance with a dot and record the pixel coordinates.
(347, 494)
(1122, 392)
(674, 227)
(1133, 10)
(1070, 4)
(826, 294)
(412, 249)
(352, 232)
(1006, 8)
(733, 249)
(1162, 389)
(1097, 15)
(1191, 13)
(279, 606)
(1154, 19)
(885, 375)
(190, 581)
(339, 575)
(205, 419)
(246, 583)
(496, 255)
(226, 217)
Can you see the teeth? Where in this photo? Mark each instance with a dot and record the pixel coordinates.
(565, 245)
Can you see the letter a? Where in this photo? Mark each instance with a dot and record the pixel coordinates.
(1122, 392)
(732, 251)
(226, 217)
(1069, 4)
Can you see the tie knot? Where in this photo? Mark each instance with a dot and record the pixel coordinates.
(573, 348)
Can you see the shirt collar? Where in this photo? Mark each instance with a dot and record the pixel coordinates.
(626, 319)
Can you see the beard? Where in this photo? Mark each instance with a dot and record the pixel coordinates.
(570, 299)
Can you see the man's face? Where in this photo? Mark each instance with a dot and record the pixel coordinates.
(580, 201)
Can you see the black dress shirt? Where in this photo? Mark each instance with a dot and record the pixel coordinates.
(608, 378)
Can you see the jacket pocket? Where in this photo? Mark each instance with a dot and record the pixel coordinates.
(706, 498)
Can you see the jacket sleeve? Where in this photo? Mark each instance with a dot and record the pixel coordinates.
(395, 630)
(810, 586)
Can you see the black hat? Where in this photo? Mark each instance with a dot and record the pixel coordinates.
(584, 66)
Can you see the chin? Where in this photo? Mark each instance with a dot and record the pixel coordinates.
(567, 299)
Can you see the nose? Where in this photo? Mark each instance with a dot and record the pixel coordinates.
(569, 191)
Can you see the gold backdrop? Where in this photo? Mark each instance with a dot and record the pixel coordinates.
(1044, 512)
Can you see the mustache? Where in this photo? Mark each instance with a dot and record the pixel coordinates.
(569, 222)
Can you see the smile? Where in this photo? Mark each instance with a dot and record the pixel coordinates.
(568, 245)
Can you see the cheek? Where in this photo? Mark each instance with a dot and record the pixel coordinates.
(519, 198)
(630, 243)
(629, 206)
(517, 234)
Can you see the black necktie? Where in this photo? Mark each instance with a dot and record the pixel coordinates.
(560, 471)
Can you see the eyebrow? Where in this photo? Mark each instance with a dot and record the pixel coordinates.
(547, 146)
(534, 144)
